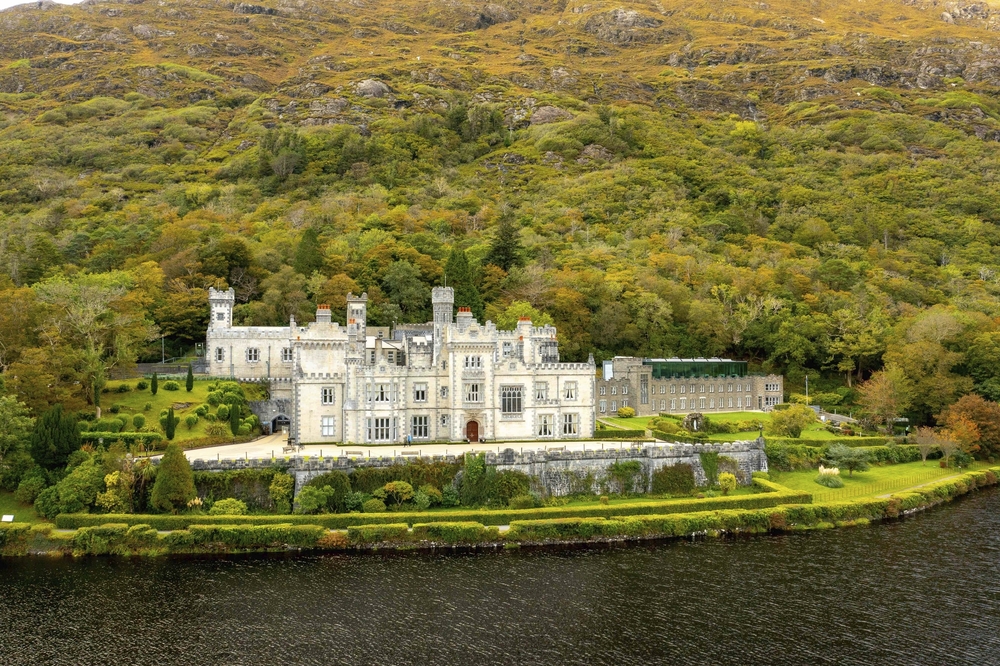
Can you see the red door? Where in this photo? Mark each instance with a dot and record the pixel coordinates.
(472, 431)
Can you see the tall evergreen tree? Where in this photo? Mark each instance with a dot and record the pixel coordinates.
(460, 278)
(171, 424)
(505, 250)
(189, 382)
(54, 438)
(234, 419)
(309, 253)
(174, 486)
(154, 385)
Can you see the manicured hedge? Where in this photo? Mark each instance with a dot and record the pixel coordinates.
(465, 532)
(774, 495)
(256, 536)
(122, 539)
(148, 438)
(14, 538)
(789, 517)
(619, 434)
(687, 439)
(372, 534)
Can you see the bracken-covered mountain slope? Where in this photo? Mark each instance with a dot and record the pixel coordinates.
(811, 185)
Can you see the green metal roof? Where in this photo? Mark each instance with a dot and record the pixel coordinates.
(667, 368)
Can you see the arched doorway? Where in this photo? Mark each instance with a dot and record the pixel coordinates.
(472, 431)
(280, 423)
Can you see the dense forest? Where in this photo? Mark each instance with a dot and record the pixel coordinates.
(808, 185)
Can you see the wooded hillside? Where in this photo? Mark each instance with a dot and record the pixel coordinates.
(808, 185)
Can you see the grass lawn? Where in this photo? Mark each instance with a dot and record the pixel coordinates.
(876, 481)
(134, 402)
(22, 514)
(814, 432)
(636, 423)
(184, 403)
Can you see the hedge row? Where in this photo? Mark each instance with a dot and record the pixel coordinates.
(847, 441)
(141, 539)
(773, 495)
(14, 538)
(152, 438)
(789, 517)
(619, 434)
(371, 534)
(465, 532)
(684, 439)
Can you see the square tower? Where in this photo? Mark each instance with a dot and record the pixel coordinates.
(221, 308)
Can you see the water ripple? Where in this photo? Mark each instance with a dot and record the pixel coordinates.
(920, 591)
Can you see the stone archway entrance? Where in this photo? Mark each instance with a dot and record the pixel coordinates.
(472, 431)
(280, 423)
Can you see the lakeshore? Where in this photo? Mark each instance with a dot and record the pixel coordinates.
(774, 509)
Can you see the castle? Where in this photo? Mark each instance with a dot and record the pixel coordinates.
(452, 379)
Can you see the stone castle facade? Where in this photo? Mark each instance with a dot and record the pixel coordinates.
(452, 379)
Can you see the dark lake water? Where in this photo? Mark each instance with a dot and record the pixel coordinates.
(925, 590)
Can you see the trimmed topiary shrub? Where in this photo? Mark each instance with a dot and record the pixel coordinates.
(171, 385)
(373, 506)
(228, 507)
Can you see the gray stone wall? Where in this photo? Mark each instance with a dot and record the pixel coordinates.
(564, 473)
(557, 473)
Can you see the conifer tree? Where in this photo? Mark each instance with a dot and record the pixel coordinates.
(154, 385)
(189, 383)
(171, 425)
(505, 250)
(460, 278)
(174, 486)
(234, 419)
(309, 253)
(54, 438)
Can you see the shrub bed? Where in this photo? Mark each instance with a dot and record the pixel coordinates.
(788, 457)
(147, 438)
(773, 495)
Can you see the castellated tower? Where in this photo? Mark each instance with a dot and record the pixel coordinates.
(443, 304)
(357, 309)
(221, 304)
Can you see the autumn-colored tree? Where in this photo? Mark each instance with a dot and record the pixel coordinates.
(885, 396)
(962, 431)
(984, 415)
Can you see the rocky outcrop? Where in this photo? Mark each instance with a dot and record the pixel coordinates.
(371, 88)
(627, 26)
(549, 114)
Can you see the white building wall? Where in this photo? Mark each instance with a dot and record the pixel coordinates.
(325, 355)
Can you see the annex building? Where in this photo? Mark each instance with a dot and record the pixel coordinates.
(682, 385)
(451, 379)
